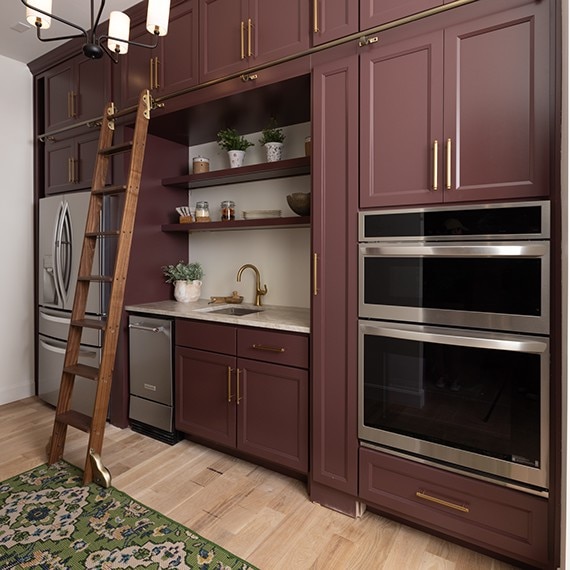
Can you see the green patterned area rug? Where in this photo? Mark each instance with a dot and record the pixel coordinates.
(49, 520)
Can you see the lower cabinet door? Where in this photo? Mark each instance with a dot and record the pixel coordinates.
(273, 405)
(204, 395)
(501, 520)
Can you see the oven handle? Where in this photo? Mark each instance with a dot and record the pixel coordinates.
(514, 249)
(454, 337)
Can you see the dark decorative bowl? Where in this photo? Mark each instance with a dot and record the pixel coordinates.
(300, 203)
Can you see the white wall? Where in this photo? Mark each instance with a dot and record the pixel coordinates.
(16, 232)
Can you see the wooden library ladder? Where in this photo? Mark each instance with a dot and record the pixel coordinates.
(64, 416)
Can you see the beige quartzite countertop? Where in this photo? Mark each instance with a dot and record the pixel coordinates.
(293, 319)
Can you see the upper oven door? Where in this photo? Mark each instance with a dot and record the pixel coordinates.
(487, 285)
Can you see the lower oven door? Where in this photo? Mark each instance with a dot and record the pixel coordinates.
(474, 401)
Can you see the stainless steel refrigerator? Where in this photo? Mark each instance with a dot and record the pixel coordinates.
(61, 230)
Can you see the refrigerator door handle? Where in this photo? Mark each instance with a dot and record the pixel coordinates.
(56, 255)
(59, 350)
(60, 320)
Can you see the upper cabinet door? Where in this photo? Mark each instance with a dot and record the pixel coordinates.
(223, 40)
(333, 19)
(377, 12)
(497, 105)
(401, 118)
(59, 87)
(93, 87)
(276, 29)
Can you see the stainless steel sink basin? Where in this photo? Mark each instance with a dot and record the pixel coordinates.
(236, 311)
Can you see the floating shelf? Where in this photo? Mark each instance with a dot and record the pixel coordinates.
(262, 171)
(296, 222)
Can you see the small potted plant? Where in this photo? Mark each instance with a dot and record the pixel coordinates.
(272, 139)
(187, 280)
(235, 144)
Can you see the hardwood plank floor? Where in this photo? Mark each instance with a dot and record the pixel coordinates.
(259, 515)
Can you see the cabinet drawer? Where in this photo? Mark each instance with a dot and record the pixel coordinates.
(206, 336)
(496, 518)
(280, 348)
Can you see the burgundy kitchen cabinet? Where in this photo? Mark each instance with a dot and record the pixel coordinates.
(69, 162)
(239, 34)
(334, 455)
(171, 66)
(457, 107)
(244, 389)
(503, 520)
(74, 91)
(333, 19)
(378, 12)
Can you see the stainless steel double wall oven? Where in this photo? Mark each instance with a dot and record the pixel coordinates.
(454, 337)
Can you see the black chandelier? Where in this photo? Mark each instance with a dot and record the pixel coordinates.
(39, 14)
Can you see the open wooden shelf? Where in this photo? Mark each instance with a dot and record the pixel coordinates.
(262, 171)
(293, 222)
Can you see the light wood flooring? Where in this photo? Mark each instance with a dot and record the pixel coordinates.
(259, 515)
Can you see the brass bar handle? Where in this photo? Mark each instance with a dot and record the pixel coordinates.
(151, 73)
(316, 16)
(229, 384)
(268, 348)
(435, 164)
(156, 76)
(73, 104)
(69, 179)
(74, 164)
(448, 165)
(69, 115)
(242, 39)
(238, 397)
(315, 267)
(249, 27)
(421, 494)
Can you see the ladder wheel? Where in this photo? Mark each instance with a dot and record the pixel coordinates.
(101, 475)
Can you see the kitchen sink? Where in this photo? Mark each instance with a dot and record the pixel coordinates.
(236, 311)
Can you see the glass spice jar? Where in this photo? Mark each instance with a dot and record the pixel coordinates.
(202, 212)
(228, 210)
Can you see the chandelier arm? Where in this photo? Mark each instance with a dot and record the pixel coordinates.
(111, 54)
(58, 38)
(130, 42)
(58, 18)
(95, 23)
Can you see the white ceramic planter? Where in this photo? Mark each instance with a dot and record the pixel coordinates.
(236, 158)
(187, 291)
(274, 150)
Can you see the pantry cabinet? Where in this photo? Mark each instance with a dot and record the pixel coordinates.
(239, 34)
(171, 66)
(457, 108)
(244, 389)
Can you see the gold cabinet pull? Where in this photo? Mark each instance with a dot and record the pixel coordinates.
(421, 494)
(69, 178)
(435, 163)
(229, 384)
(242, 40)
(69, 111)
(151, 73)
(74, 169)
(249, 28)
(156, 81)
(72, 101)
(316, 16)
(448, 165)
(268, 348)
(315, 267)
(238, 397)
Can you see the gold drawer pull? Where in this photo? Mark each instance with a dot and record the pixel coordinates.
(422, 495)
(268, 348)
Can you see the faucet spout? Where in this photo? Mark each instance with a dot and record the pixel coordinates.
(259, 292)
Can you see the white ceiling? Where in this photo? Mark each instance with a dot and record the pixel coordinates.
(24, 46)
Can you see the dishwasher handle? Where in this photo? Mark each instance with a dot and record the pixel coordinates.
(144, 328)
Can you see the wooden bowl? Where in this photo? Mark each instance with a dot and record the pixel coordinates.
(300, 203)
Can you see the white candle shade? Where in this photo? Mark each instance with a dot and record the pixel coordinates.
(32, 16)
(157, 16)
(119, 27)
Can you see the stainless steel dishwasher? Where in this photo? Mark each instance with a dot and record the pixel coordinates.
(151, 402)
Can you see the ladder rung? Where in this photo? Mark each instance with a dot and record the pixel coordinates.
(96, 278)
(75, 419)
(107, 190)
(83, 370)
(116, 149)
(114, 233)
(90, 324)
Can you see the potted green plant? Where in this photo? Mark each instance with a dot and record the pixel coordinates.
(187, 280)
(235, 144)
(272, 138)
